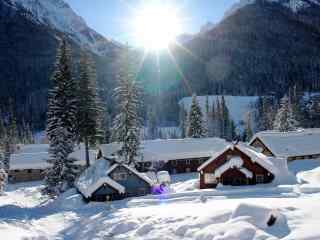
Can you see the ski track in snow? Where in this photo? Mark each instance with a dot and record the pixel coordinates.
(186, 213)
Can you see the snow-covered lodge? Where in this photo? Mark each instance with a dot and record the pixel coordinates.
(240, 165)
(295, 145)
(174, 155)
(29, 162)
(107, 180)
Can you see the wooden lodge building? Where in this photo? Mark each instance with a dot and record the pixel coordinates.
(172, 155)
(29, 162)
(236, 165)
(295, 145)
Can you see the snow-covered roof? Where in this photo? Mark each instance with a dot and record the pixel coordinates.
(172, 149)
(35, 156)
(289, 144)
(95, 176)
(98, 174)
(257, 157)
(233, 162)
(214, 156)
(269, 163)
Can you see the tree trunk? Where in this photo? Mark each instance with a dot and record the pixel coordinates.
(86, 142)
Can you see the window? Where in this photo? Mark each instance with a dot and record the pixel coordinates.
(120, 176)
(188, 161)
(29, 171)
(209, 178)
(259, 178)
(174, 162)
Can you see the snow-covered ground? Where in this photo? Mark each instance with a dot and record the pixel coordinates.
(228, 213)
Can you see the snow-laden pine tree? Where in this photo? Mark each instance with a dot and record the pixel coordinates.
(6, 155)
(196, 127)
(13, 133)
(88, 106)
(206, 124)
(61, 121)
(104, 125)
(127, 123)
(153, 132)
(3, 132)
(3, 176)
(219, 120)
(183, 118)
(58, 177)
(285, 120)
(266, 111)
(248, 132)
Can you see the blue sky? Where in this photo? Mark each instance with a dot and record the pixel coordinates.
(112, 17)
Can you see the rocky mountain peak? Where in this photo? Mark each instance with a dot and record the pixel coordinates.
(58, 14)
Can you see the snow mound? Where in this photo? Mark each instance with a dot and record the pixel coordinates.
(312, 176)
(69, 200)
(309, 188)
(258, 216)
(144, 229)
(234, 231)
(124, 227)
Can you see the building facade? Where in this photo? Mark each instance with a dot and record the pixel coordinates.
(108, 181)
(295, 145)
(235, 167)
(172, 155)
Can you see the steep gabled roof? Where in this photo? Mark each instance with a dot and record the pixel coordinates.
(233, 162)
(214, 156)
(257, 157)
(94, 177)
(290, 144)
(99, 174)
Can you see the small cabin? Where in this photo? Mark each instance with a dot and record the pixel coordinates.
(293, 145)
(236, 165)
(107, 180)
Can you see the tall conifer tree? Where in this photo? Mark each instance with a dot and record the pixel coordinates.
(61, 119)
(127, 123)
(88, 106)
(285, 120)
(196, 127)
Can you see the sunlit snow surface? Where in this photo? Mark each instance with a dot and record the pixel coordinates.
(184, 212)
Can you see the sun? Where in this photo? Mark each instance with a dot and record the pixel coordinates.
(156, 27)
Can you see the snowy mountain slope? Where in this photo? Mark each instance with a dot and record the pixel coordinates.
(294, 5)
(58, 15)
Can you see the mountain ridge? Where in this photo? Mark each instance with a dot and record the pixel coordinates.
(58, 14)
